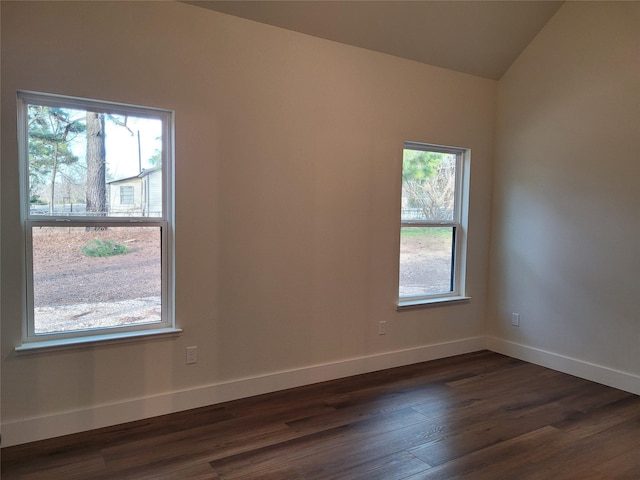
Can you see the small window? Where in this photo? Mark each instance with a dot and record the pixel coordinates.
(126, 195)
(432, 234)
(94, 269)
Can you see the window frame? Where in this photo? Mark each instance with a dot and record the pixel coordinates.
(32, 341)
(459, 225)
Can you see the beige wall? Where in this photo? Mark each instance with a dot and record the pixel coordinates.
(566, 235)
(288, 163)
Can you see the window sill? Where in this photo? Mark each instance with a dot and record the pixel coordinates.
(90, 341)
(430, 302)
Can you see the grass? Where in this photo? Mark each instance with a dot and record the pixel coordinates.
(433, 232)
(104, 248)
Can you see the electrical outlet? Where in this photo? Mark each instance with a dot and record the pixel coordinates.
(515, 319)
(382, 328)
(192, 355)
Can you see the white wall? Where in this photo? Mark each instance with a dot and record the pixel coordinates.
(566, 233)
(288, 166)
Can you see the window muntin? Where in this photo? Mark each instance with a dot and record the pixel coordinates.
(97, 262)
(431, 233)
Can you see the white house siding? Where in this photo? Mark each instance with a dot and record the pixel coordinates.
(153, 185)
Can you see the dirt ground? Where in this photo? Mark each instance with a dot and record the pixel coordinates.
(425, 266)
(74, 292)
(63, 275)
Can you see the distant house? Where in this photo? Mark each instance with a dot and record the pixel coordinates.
(137, 196)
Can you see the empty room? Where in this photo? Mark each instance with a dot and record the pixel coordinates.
(320, 240)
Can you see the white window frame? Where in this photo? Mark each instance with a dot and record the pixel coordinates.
(32, 341)
(459, 223)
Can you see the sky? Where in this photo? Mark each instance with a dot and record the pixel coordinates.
(123, 159)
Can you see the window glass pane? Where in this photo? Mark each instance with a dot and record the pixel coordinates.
(126, 195)
(426, 255)
(85, 278)
(428, 186)
(78, 160)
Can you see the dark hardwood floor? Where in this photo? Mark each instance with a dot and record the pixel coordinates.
(476, 416)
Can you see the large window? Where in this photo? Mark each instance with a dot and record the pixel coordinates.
(432, 232)
(95, 269)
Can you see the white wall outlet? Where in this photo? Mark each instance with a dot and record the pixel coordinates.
(515, 319)
(192, 355)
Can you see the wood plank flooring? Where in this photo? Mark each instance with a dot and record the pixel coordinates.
(476, 416)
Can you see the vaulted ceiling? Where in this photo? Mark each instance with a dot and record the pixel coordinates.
(481, 37)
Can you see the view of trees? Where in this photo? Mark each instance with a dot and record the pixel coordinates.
(68, 165)
(51, 161)
(428, 184)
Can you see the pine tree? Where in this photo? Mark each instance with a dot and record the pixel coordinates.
(50, 132)
(96, 164)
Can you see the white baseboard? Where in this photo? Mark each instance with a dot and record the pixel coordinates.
(578, 368)
(48, 426)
